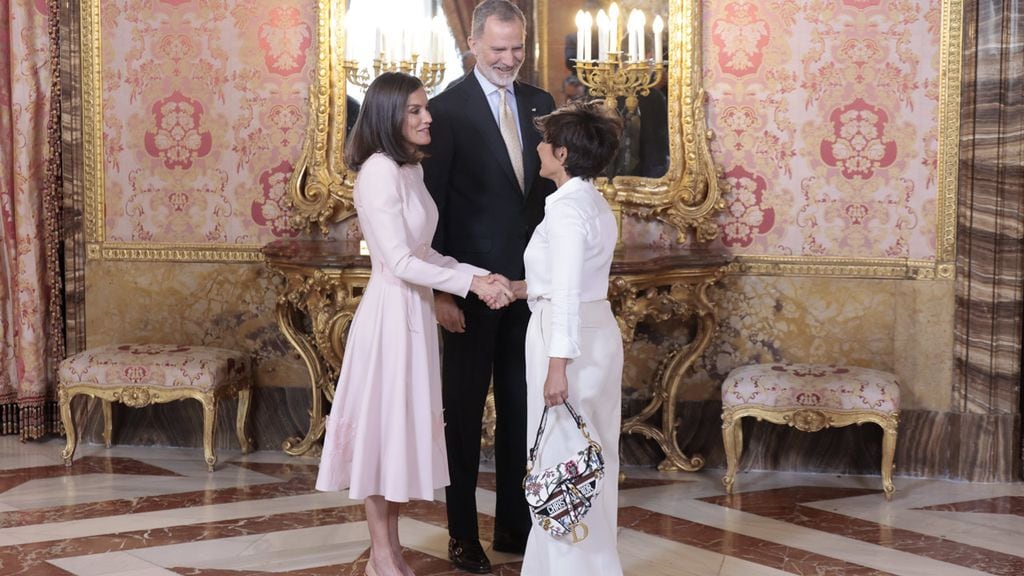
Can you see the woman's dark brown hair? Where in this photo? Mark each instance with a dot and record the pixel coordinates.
(381, 119)
(590, 133)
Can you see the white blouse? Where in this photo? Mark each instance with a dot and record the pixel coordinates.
(569, 258)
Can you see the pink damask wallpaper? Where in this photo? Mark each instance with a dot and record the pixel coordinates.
(825, 114)
(204, 110)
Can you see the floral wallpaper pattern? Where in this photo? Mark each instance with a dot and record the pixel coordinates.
(825, 114)
(204, 109)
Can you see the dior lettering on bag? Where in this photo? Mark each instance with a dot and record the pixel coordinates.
(561, 495)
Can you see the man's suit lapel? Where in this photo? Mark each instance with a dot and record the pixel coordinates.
(531, 138)
(477, 106)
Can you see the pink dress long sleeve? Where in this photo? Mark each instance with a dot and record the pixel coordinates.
(385, 432)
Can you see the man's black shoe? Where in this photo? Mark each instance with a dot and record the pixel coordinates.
(468, 555)
(509, 544)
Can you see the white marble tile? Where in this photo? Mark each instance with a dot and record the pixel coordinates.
(847, 549)
(16, 454)
(273, 552)
(110, 564)
(173, 517)
(85, 488)
(645, 555)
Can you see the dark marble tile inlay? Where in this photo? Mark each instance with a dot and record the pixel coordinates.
(1013, 505)
(786, 505)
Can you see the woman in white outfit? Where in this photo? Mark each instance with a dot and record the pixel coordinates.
(573, 343)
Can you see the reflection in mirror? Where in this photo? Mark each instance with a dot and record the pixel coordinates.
(645, 149)
(664, 172)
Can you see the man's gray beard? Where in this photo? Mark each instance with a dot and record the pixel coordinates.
(491, 77)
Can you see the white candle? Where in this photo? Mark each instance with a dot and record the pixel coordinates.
(641, 36)
(588, 29)
(378, 45)
(657, 26)
(631, 32)
(602, 35)
(440, 27)
(615, 37)
(579, 35)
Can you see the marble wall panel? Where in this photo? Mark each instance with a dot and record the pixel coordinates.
(275, 415)
(990, 271)
(931, 444)
(896, 325)
(227, 305)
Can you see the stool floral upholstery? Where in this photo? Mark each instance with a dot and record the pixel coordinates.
(809, 397)
(138, 375)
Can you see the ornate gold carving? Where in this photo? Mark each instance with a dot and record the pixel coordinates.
(136, 397)
(319, 286)
(141, 396)
(949, 134)
(327, 298)
(807, 420)
(658, 296)
(840, 267)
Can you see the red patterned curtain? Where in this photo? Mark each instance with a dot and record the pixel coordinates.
(29, 217)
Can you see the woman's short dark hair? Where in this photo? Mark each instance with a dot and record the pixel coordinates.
(590, 133)
(381, 120)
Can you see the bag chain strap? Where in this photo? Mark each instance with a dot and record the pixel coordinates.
(540, 433)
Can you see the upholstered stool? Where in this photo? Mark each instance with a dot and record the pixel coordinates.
(809, 397)
(138, 375)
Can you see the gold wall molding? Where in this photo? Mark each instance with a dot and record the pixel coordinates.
(950, 77)
(97, 245)
(880, 268)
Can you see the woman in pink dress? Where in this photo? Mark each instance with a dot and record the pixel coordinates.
(385, 434)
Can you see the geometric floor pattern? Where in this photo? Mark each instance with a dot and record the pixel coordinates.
(131, 511)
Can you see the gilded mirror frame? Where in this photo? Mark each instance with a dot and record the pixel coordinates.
(687, 197)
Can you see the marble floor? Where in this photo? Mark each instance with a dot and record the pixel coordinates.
(136, 511)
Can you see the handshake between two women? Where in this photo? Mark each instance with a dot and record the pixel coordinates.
(497, 291)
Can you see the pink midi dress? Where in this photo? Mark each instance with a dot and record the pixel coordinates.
(385, 432)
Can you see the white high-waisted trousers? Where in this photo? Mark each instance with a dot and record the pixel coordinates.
(595, 391)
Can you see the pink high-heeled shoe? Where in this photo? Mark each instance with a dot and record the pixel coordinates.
(369, 571)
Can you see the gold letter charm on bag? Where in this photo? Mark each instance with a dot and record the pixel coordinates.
(576, 538)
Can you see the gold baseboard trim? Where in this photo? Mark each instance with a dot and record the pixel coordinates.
(155, 252)
(892, 269)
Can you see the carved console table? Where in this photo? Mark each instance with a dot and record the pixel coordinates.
(658, 285)
(320, 283)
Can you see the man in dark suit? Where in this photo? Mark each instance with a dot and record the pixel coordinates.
(482, 170)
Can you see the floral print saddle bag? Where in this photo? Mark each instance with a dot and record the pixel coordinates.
(561, 495)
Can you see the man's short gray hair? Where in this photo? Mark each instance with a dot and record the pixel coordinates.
(503, 10)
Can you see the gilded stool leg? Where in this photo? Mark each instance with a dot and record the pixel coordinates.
(64, 400)
(244, 397)
(108, 423)
(889, 431)
(209, 402)
(730, 426)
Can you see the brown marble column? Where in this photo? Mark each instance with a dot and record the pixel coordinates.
(990, 269)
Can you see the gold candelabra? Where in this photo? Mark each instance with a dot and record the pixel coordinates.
(430, 73)
(616, 77)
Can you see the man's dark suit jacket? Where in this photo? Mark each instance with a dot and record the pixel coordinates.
(485, 220)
